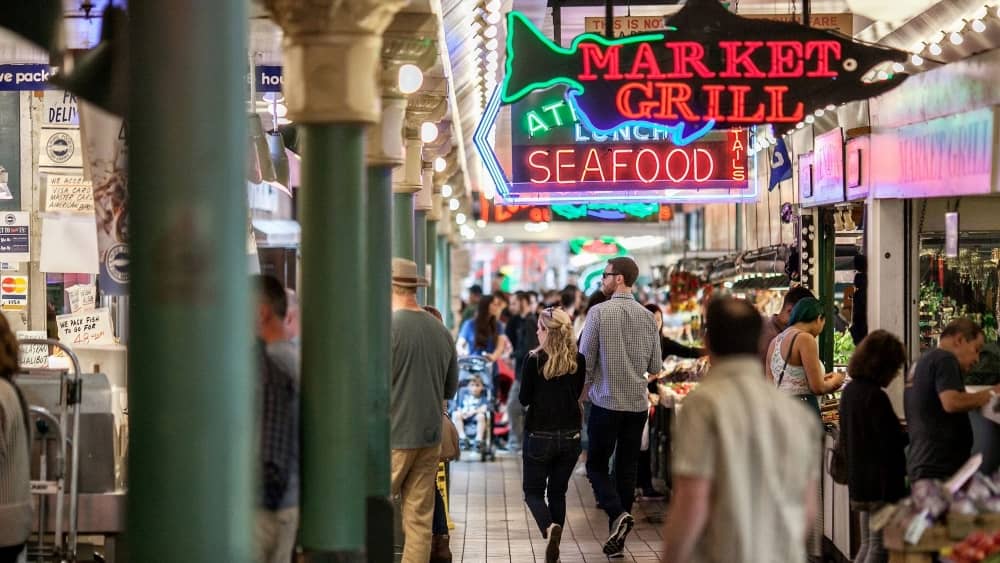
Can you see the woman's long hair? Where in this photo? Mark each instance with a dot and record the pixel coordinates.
(485, 324)
(806, 311)
(9, 363)
(560, 345)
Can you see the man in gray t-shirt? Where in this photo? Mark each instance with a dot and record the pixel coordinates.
(424, 375)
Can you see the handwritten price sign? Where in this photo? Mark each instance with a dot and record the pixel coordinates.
(91, 327)
(69, 194)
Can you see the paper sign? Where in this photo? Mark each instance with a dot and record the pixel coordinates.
(69, 194)
(15, 237)
(69, 244)
(13, 293)
(33, 355)
(92, 327)
(82, 298)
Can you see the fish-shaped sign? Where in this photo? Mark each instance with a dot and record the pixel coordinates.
(709, 68)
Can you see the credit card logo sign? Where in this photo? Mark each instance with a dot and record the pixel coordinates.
(14, 285)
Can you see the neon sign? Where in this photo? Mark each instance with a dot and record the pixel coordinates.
(709, 67)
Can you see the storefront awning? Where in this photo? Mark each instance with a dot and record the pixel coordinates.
(276, 233)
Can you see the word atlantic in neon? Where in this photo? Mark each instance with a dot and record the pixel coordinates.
(710, 67)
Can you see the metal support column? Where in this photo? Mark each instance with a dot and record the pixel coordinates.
(430, 239)
(385, 153)
(330, 51)
(191, 482)
(420, 249)
(827, 238)
(403, 219)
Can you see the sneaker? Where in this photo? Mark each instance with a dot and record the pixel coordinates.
(620, 554)
(619, 531)
(552, 550)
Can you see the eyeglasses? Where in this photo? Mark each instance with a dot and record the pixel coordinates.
(606, 274)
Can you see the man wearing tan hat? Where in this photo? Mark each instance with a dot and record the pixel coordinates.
(424, 373)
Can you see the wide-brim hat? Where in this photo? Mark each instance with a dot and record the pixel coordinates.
(404, 274)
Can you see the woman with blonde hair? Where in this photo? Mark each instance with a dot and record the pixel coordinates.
(551, 384)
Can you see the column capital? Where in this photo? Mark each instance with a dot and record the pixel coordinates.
(408, 179)
(330, 47)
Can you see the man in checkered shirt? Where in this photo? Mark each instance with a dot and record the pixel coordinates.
(622, 346)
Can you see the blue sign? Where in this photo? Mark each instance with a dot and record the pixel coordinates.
(25, 77)
(268, 78)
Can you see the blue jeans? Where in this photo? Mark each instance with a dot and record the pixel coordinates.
(619, 433)
(549, 459)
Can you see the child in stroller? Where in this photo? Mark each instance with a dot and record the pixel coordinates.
(472, 405)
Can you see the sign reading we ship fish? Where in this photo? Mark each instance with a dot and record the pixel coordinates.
(709, 68)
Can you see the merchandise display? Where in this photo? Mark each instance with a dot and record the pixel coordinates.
(950, 288)
(843, 347)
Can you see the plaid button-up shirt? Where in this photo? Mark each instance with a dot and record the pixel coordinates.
(621, 344)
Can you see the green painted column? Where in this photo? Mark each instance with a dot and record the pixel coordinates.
(430, 239)
(420, 249)
(334, 484)
(826, 240)
(446, 301)
(380, 527)
(191, 383)
(403, 220)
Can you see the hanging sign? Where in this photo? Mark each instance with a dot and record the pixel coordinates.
(857, 165)
(604, 246)
(634, 212)
(21, 77)
(709, 67)
(945, 157)
(827, 185)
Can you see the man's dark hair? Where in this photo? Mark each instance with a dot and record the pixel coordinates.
(595, 299)
(269, 290)
(567, 297)
(962, 327)
(733, 327)
(476, 289)
(626, 267)
(796, 294)
(878, 358)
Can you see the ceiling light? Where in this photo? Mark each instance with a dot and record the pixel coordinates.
(428, 132)
(440, 164)
(411, 78)
(492, 56)
(810, 119)
(492, 66)
(492, 45)
(917, 60)
(898, 67)
(831, 107)
(935, 49)
(460, 218)
(481, 223)
(882, 75)
(454, 204)
(446, 190)
(956, 38)
(800, 125)
(819, 112)
(498, 239)
(490, 32)
(978, 26)
(493, 18)
(937, 37)
(981, 13)
(493, 6)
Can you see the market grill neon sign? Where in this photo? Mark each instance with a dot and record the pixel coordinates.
(709, 67)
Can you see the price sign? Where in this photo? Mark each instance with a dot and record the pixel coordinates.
(91, 327)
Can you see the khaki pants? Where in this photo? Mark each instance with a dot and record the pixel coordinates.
(414, 472)
(274, 534)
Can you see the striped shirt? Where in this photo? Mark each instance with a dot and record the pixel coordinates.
(622, 345)
(15, 488)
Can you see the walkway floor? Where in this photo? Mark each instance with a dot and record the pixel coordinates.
(492, 523)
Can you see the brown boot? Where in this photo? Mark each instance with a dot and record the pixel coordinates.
(440, 549)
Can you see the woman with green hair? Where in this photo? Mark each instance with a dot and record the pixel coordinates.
(794, 363)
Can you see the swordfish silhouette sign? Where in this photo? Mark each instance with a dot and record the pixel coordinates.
(709, 68)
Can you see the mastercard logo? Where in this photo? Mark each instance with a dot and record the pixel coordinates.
(14, 285)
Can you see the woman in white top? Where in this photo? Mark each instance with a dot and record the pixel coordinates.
(794, 363)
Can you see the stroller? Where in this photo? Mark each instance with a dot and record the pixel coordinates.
(470, 367)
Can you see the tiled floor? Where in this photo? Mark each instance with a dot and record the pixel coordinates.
(492, 523)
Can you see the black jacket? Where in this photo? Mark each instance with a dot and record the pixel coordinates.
(874, 442)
